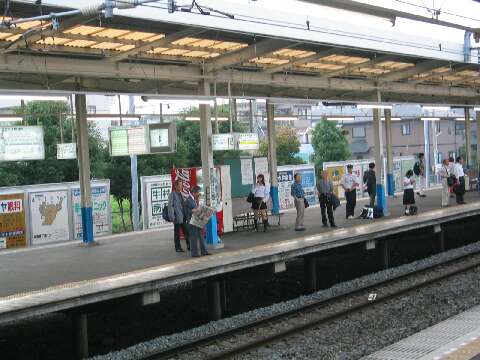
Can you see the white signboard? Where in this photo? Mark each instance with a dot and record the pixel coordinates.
(157, 191)
(159, 138)
(67, 151)
(18, 143)
(137, 140)
(247, 171)
(261, 167)
(49, 216)
(102, 220)
(223, 142)
(247, 141)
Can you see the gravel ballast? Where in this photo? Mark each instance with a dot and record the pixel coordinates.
(352, 338)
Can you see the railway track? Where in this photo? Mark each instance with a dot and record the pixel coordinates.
(245, 338)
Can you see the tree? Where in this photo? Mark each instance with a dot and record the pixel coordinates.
(51, 170)
(329, 144)
(288, 146)
(473, 151)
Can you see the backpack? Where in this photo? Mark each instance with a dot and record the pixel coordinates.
(416, 168)
(165, 215)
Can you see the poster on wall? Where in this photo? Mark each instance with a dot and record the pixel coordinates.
(188, 177)
(261, 167)
(397, 175)
(157, 191)
(308, 183)
(49, 216)
(247, 171)
(285, 181)
(102, 222)
(335, 173)
(12, 221)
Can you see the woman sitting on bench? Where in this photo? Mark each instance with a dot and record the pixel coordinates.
(261, 193)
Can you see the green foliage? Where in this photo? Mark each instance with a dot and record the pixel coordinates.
(329, 144)
(463, 153)
(288, 146)
(51, 170)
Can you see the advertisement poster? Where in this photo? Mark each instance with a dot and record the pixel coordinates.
(335, 173)
(157, 192)
(285, 181)
(12, 221)
(247, 171)
(308, 184)
(397, 175)
(67, 151)
(49, 216)
(247, 141)
(19, 143)
(261, 167)
(102, 222)
(188, 176)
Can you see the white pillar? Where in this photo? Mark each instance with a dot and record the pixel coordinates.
(468, 141)
(272, 157)
(388, 144)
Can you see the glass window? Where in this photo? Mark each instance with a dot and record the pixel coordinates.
(91, 109)
(459, 128)
(358, 132)
(406, 129)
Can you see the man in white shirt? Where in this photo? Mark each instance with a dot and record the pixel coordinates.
(350, 183)
(459, 188)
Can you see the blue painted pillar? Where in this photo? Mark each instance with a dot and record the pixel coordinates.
(275, 200)
(84, 168)
(211, 231)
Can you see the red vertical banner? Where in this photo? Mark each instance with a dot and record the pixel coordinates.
(187, 175)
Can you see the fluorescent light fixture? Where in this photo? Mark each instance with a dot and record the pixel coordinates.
(299, 102)
(283, 118)
(113, 118)
(462, 119)
(393, 119)
(374, 106)
(339, 118)
(476, 109)
(33, 98)
(197, 118)
(10, 118)
(430, 119)
(439, 108)
(261, 101)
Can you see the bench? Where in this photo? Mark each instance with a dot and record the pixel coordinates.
(245, 221)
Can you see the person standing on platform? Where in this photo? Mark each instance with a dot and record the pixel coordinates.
(451, 165)
(176, 213)
(459, 187)
(194, 232)
(261, 193)
(444, 174)
(419, 170)
(408, 193)
(325, 193)
(299, 199)
(370, 181)
(349, 183)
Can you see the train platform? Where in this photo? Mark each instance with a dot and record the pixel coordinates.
(59, 277)
(457, 338)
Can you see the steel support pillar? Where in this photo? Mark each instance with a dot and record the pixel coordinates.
(310, 269)
(381, 198)
(426, 138)
(80, 335)
(468, 137)
(215, 299)
(134, 176)
(84, 168)
(477, 116)
(272, 158)
(207, 164)
(384, 254)
(388, 145)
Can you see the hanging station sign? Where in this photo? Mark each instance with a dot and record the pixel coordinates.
(223, 142)
(67, 151)
(21, 143)
(247, 141)
(145, 139)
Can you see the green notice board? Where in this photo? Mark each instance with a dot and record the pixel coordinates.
(238, 189)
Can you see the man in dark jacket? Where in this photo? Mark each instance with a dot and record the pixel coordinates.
(370, 181)
(176, 213)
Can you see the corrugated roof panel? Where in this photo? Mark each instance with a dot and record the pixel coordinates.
(198, 54)
(4, 35)
(138, 36)
(84, 30)
(376, 71)
(293, 53)
(468, 73)
(204, 43)
(175, 52)
(80, 43)
(346, 59)
(269, 61)
(185, 41)
(30, 24)
(321, 66)
(228, 45)
(441, 70)
(53, 41)
(157, 50)
(111, 33)
(106, 45)
(395, 65)
(125, 47)
(156, 37)
(13, 37)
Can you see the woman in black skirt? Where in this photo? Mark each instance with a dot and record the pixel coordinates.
(261, 193)
(408, 193)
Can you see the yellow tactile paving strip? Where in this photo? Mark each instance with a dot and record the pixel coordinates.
(465, 351)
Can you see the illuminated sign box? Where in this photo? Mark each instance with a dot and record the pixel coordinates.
(247, 141)
(163, 138)
(21, 143)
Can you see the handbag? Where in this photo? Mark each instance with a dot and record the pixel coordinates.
(250, 198)
(305, 202)
(451, 180)
(335, 201)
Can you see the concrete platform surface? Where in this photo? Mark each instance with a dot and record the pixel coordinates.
(135, 262)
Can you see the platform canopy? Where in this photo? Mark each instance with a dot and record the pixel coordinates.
(134, 53)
